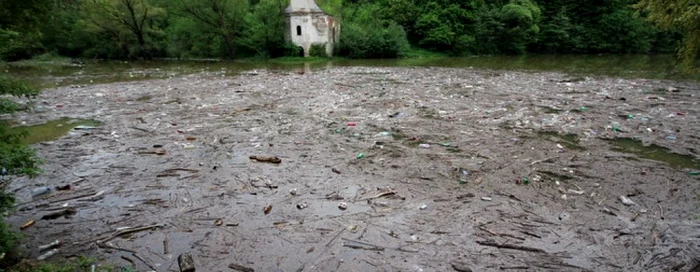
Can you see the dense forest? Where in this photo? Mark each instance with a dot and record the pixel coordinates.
(134, 29)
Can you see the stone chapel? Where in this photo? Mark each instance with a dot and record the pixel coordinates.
(307, 25)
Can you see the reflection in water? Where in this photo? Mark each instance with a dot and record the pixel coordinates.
(631, 66)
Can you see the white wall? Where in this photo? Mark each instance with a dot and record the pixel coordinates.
(315, 28)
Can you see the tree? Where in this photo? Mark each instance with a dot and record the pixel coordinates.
(125, 21)
(365, 35)
(223, 18)
(683, 15)
(447, 27)
(265, 26)
(20, 22)
(520, 19)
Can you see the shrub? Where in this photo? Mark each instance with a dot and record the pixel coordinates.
(15, 158)
(318, 50)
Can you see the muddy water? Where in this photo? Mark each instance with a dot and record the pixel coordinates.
(446, 153)
(54, 129)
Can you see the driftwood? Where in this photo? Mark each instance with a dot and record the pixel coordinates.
(127, 231)
(510, 246)
(54, 215)
(270, 159)
(240, 268)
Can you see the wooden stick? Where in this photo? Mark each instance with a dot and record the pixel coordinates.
(127, 231)
(144, 261)
(115, 248)
(510, 246)
(165, 245)
(334, 237)
(240, 268)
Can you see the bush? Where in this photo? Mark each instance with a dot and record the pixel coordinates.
(318, 50)
(15, 158)
(364, 41)
(293, 50)
(17, 46)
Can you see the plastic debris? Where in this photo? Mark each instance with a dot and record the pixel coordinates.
(186, 263)
(423, 206)
(342, 205)
(625, 200)
(424, 145)
(486, 198)
(50, 245)
(396, 114)
(47, 254)
(302, 205)
(41, 191)
(28, 224)
(360, 155)
(575, 192)
(267, 209)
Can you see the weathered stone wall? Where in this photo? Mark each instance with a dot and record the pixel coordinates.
(307, 24)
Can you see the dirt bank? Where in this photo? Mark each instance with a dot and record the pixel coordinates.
(441, 169)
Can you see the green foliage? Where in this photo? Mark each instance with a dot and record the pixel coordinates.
(318, 50)
(446, 28)
(76, 264)
(9, 239)
(364, 35)
(130, 25)
(292, 50)
(370, 29)
(520, 21)
(681, 15)
(14, 88)
(556, 33)
(264, 31)
(221, 21)
(15, 158)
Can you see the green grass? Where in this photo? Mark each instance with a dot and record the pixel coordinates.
(43, 60)
(78, 264)
(418, 53)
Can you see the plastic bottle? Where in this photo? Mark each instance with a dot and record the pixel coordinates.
(50, 245)
(41, 191)
(47, 254)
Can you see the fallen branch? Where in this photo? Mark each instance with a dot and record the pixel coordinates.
(127, 231)
(181, 169)
(142, 129)
(362, 245)
(510, 246)
(115, 248)
(334, 237)
(240, 268)
(72, 197)
(144, 261)
(550, 159)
